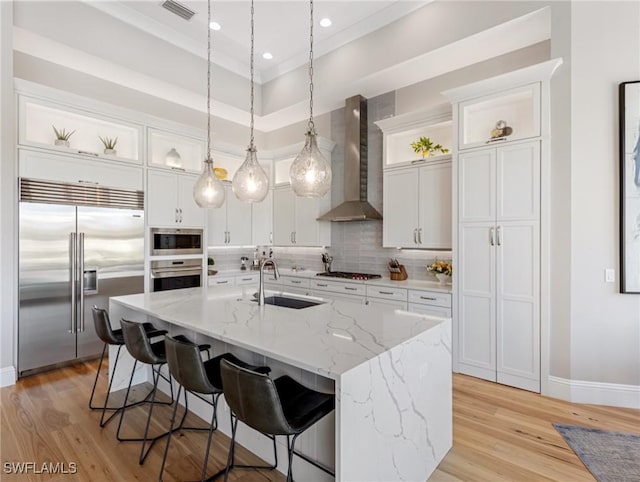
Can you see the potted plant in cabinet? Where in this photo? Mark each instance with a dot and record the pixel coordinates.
(62, 137)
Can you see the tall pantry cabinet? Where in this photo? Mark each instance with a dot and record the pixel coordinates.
(499, 227)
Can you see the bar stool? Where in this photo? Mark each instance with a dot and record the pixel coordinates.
(200, 379)
(154, 354)
(113, 337)
(273, 407)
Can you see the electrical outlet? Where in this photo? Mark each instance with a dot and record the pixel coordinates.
(609, 275)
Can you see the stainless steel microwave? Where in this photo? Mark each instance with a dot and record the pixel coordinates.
(176, 241)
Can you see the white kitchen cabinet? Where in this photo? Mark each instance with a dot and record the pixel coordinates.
(221, 281)
(295, 220)
(230, 225)
(39, 164)
(170, 201)
(499, 264)
(417, 206)
(433, 303)
(262, 221)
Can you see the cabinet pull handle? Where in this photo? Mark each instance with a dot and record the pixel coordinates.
(296, 282)
(291, 237)
(427, 298)
(322, 285)
(223, 282)
(81, 181)
(89, 153)
(350, 288)
(181, 169)
(229, 234)
(271, 237)
(180, 214)
(418, 161)
(491, 237)
(499, 236)
(295, 236)
(415, 236)
(246, 279)
(419, 235)
(176, 216)
(385, 292)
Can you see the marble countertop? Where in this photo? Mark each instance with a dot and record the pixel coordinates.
(384, 281)
(329, 339)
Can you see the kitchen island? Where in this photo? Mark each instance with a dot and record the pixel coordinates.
(390, 371)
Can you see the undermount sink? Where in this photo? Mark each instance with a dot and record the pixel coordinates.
(286, 302)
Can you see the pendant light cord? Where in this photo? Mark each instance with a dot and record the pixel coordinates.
(251, 64)
(311, 124)
(208, 159)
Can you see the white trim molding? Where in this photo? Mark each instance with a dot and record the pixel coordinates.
(596, 393)
(7, 376)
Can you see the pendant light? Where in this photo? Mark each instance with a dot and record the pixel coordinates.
(250, 182)
(310, 172)
(208, 191)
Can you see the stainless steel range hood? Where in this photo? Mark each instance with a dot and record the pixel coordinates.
(355, 206)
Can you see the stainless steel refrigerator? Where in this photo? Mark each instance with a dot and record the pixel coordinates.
(79, 245)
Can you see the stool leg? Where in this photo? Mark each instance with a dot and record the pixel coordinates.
(290, 450)
(103, 422)
(143, 455)
(95, 382)
(124, 404)
(230, 458)
(173, 420)
(214, 420)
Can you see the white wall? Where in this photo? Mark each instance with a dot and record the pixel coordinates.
(605, 325)
(7, 198)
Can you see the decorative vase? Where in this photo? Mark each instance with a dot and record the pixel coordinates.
(173, 158)
(110, 152)
(443, 278)
(61, 142)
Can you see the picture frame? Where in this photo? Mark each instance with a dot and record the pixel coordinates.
(629, 125)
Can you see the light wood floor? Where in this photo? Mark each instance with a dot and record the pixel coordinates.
(500, 433)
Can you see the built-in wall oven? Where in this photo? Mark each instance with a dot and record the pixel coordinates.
(175, 274)
(165, 241)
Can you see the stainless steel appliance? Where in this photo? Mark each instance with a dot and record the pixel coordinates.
(79, 245)
(176, 274)
(349, 275)
(166, 241)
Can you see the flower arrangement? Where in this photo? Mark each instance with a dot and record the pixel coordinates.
(440, 267)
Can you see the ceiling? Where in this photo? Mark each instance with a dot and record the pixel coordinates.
(281, 28)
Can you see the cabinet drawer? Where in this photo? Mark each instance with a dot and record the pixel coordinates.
(295, 282)
(339, 287)
(247, 279)
(222, 281)
(429, 310)
(401, 305)
(430, 298)
(386, 293)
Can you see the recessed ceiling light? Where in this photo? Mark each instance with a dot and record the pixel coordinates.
(267, 56)
(325, 22)
(214, 26)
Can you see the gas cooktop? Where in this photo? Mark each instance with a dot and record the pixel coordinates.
(348, 275)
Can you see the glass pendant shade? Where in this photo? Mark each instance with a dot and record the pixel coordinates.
(310, 172)
(208, 191)
(250, 182)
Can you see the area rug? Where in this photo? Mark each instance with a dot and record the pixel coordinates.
(610, 456)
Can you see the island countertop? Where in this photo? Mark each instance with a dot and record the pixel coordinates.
(329, 339)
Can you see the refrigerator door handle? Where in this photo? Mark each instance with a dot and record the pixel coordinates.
(73, 271)
(81, 280)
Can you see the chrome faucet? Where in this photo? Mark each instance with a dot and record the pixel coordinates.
(276, 274)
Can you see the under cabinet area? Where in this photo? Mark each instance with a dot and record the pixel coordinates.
(417, 206)
(170, 200)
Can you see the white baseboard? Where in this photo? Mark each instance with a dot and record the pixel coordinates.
(578, 391)
(7, 376)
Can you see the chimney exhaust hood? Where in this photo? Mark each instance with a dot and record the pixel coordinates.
(355, 206)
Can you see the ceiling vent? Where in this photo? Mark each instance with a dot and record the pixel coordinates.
(178, 9)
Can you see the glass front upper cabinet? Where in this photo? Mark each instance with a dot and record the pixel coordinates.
(503, 117)
(86, 132)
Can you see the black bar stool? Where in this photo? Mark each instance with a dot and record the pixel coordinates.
(154, 354)
(113, 337)
(201, 378)
(273, 407)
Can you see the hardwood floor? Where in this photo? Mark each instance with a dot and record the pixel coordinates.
(500, 433)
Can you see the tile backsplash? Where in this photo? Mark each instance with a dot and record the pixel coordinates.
(357, 245)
